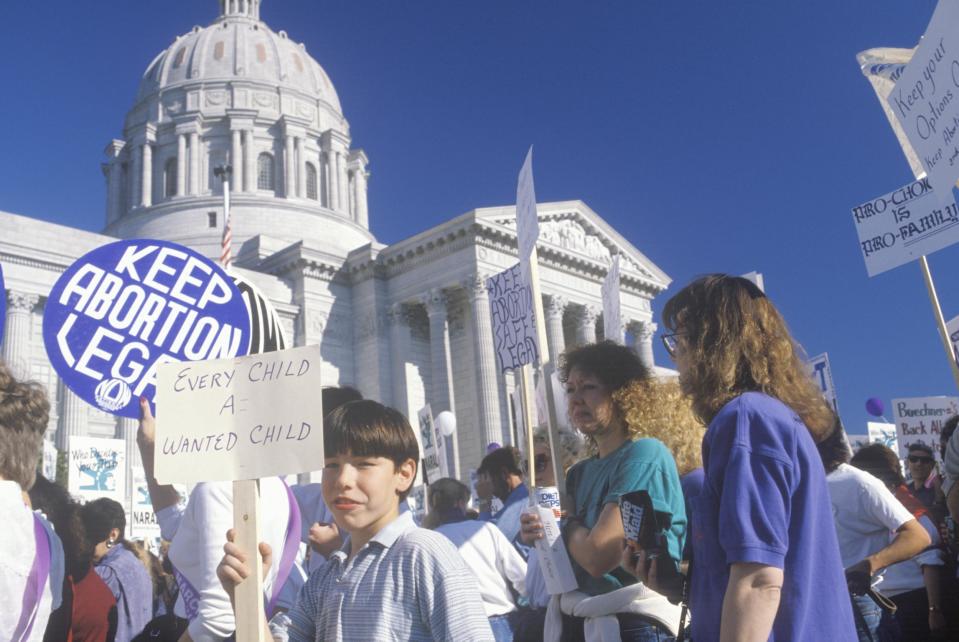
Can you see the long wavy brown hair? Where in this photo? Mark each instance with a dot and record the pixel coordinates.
(658, 408)
(735, 341)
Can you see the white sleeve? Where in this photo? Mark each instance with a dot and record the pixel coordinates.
(882, 506)
(208, 517)
(169, 519)
(509, 562)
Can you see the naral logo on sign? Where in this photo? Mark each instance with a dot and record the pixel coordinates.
(123, 308)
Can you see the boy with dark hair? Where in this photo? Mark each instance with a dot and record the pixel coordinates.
(391, 579)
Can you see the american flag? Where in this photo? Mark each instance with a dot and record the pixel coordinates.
(226, 243)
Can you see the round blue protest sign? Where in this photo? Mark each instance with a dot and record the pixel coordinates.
(124, 308)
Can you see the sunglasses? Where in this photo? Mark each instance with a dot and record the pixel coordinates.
(916, 459)
(540, 462)
(669, 342)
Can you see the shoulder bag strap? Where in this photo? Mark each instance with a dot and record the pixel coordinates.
(36, 580)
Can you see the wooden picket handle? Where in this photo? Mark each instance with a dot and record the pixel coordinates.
(250, 617)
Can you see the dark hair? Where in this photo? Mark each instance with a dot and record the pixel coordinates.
(502, 460)
(613, 364)
(947, 429)
(918, 445)
(335, 396)
(443, 496)
(366, 428)
(834, 449)
(879, 461)
(24, 412)
(55, 502)
(101, 516)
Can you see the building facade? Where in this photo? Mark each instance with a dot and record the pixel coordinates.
(407, 323)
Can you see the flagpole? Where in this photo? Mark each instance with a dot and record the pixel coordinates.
(940, 320)
(226, 242)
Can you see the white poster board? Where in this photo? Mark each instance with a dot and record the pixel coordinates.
(612, 316)
(879, 432)
(903, 225)
(920, 419)
(527, 222)
(432, 453)
(515, 337)
(925, 99)
(821, 373)
(142, 521)
(243, 418)
(756, 278)
(96, 468)
(50, 452)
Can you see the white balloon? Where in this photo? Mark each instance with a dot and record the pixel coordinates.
(446, 422)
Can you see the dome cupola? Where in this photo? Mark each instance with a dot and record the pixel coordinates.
(240, 8)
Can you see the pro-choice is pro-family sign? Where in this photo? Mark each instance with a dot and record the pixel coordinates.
(903, 225)
(123, 308)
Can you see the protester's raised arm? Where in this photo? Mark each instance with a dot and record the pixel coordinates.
(751, 601)
(162, 496)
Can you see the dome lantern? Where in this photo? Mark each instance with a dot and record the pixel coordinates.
(240, 8)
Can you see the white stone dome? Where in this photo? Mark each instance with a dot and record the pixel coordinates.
(238, 46)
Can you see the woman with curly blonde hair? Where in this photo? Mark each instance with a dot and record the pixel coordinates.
(765, 555)
(620, 463)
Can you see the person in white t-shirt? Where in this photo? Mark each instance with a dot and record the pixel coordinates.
(197, 539)
(498, 566)
(27, 548)
(874, 530)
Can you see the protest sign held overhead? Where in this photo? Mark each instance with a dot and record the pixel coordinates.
(434, 451)
(96, 467)
(527, 222)
(612, 317)
(920, 420)
(123, 308)
(882, 433)
(266, 332)
(243, 418)
(903, 225)
(515, 337)
(822, 374)
(925, 100)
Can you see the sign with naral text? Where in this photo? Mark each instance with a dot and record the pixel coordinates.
(244, 418)
(123, 308)
(612, 317)
(920, 419)
(96, 467)
(142, 520)
(925, 99)
(903, 225)
(514, 323)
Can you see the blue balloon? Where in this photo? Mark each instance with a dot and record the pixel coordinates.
(123, 308)
(875, 406)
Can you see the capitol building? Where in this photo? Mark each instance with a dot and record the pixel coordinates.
(407, 323)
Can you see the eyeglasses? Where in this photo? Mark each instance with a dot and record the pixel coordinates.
(916, 459)
(669, 342)
(540, 462)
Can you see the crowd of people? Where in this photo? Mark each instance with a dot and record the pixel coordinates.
(764, 525)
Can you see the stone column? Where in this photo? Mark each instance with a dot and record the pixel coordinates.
(362, 211)
(487, 390)
(249, 161)
(180, 164)
(332, 177)
(146, 175)
(586, 325)
(73, 417)
(441, 388)
(236, 161)
(116, 189)
(127, 431)
(643, 333)
(16, 336)
(288, 167)
(397, 316)
(194, 163)
(555, 306)
(343, 187)
(136, 156)
(300, 167)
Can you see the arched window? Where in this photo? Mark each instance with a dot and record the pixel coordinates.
(264, 172)
(169, 178)
(311, 191)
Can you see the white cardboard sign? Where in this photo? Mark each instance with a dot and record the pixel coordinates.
(243, 418)
(612, 316)
(515, 338)
(142, 520)
(903, 225)
(527, 222)
(432, 453)
(553, 558)
(880, 432)
(952, 327)
(822, 374)
(925, 99)
(920, 419)
(96, 468)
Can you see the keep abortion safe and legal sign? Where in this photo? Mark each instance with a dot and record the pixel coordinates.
(123, 308)
(244, 418)
(513, 316)
(903, 225)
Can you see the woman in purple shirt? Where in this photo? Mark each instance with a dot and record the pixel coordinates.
(766, 562)
(118, 566)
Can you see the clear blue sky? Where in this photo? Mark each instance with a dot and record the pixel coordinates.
(716, 136)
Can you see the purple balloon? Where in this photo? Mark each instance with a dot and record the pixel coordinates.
(492, 446)
(875, 407)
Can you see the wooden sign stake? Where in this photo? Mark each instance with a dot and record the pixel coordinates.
(250, 618)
